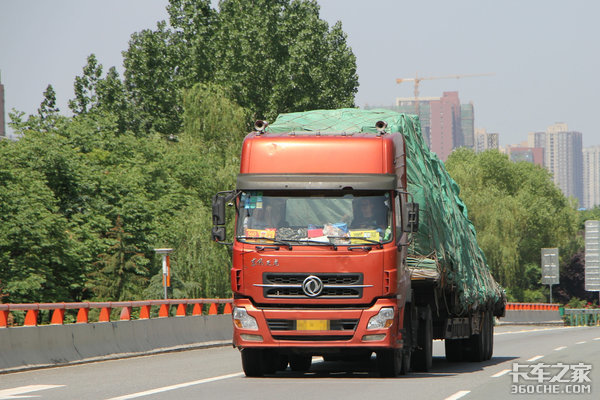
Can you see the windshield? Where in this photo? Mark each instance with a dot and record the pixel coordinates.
(308, 218)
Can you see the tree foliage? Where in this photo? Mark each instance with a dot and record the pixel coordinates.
(517, 210)
(272, 55)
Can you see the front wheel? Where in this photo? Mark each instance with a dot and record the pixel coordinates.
(422, 357)
(390, 363)
(253, 362)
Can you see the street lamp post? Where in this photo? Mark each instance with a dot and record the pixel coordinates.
(166, 268)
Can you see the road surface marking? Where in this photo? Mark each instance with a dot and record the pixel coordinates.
(582, 342)
(499, 374)
(19, 391)
(536, 330)
(458, 395)
(560, 348)
(535, 358)
(174, 387)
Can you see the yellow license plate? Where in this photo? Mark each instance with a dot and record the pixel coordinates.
(312, 325)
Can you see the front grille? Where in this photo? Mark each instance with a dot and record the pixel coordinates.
(289, 285)
(290, 324)
(313, 338)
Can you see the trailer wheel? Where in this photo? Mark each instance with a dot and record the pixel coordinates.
(489, 349)
(454, 350)
(477, 344)
(389, 363)
(422, 357)
(300, 362)
(253, 362)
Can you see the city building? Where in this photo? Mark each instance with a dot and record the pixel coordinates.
(446, 131)
(467, 124)
(536, 139)
(591, 177)
(2, 122)
(486, 141)
(534, 155)
(563, 157)
(407, 105)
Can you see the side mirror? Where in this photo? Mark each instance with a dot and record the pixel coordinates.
(218, 210)
(218, 233)
(412, 217)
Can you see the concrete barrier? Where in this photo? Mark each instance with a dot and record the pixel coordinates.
(42, 346)
(531, 317)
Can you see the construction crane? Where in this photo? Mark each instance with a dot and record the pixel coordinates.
(417, 80)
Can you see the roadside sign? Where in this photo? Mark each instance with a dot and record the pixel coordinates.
(550, 266)
(592, 256)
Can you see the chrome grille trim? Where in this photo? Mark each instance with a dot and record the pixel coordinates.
(335, 286)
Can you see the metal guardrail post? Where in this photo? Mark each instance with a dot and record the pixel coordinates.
(582, 316)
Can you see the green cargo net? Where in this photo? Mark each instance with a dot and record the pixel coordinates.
(446, 239)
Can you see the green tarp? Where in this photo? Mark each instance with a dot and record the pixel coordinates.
(445, 232)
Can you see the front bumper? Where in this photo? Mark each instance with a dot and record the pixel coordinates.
(279, 328)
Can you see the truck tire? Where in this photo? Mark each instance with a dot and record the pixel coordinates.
(490, 336)
(476, 344)
(406, 360)
(389, 363)
(253, 362)
(454, 349)
(422, 357)
(300, 362)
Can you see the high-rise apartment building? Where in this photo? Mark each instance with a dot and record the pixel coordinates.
(407, 105)
(536, 139)
(591, 176)
(2, 122)
(486, 141)
(445, 123)
(467, 124)
(446, 131)
(563, 157)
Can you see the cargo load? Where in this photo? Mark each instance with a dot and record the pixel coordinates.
(446, 241)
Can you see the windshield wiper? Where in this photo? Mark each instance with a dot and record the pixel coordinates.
(379, 244)
(316, 242)
(289, 246)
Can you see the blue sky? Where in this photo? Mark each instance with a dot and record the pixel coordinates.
(544, 54)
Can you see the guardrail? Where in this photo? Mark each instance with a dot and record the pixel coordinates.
(145, 307)
(582, 316)
(533, 306)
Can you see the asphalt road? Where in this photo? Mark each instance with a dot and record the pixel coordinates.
(550, 359)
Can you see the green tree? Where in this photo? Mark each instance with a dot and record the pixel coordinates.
(37, 250)
(209, 146)
(273, 56)
(528, 212)
(121, 272)
(279, 56)
(85, 86)
(48, 107)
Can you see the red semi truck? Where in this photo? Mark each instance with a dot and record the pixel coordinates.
(323, 227)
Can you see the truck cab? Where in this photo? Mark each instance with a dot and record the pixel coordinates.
(321, 233)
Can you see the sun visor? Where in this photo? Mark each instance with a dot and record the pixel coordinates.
(316, 181)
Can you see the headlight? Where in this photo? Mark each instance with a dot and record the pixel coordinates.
(242, 320)
(383, 319)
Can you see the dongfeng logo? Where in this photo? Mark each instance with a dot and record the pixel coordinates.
(312, 286)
